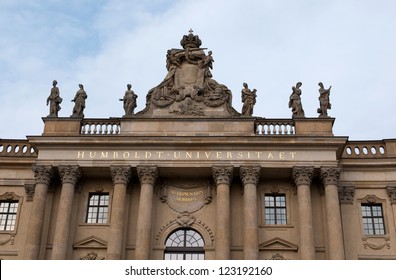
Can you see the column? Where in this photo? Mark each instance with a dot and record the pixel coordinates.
(147, 177)
(222, 176)
(69, 176)
(43, 175)
(303, 177)
(330, 176)
(346, 195)
(120, 176)
(250, 176)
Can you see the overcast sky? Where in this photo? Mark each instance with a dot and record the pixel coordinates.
(270, 45)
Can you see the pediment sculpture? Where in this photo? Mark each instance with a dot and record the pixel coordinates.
(188, 89)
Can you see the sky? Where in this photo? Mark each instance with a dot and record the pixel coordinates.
(269, 44)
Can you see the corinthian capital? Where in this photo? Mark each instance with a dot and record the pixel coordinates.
(147, 174)
(346, 194)
(302, 175)
(43, 173)
(223, 174)
(250, 174)
(330, 175)
(120, 174)
(69, 173)
(391, 190)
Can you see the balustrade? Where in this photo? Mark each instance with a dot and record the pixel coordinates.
(12, 148)
(274, 127)
(364, 149)
(100, 127)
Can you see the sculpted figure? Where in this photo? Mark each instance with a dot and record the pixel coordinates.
(324, 100)
(129, 101)
(295, 102)
(54, 100)
(207, 61)
(248, 99)
(79, 103)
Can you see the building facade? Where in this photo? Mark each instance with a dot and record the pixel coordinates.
(189, 177)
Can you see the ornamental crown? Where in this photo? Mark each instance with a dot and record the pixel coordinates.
(190, 41)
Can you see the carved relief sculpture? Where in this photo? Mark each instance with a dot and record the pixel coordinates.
(330, 175)
(223, 174)
(120, 174)
(129, 101)
(54, 100)
(69, 174)
(188, 88)
(295, 102)
(79, 103)
(346, 194)
(250, 174)
(324, 101)
(147, 174)
(248, 100)
(302, 175)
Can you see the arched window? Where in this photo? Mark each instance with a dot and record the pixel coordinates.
(184, 244)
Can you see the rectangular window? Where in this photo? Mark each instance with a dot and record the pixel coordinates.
(373, 219)
(275, 209)
(8, 215)
(98, 208)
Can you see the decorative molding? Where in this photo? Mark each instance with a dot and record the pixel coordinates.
(9, 196)
(330, 175)
(11, 239)
(185, 219)
(43, 173)
(250, 174)
(277, 257)
(302, 175)
(223, 174)
(278, 244)
(377, 242)
(391, 191)
(91, 256)
(69, 174)
(147, 174)
(346, 194)
(29, 190)
(371, 198)
(120, 174)
(90, 242)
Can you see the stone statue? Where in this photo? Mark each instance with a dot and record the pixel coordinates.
(324, 101)
(129, 101)
(295, 102)
(54, 100)
(79, 103)
(248, 99)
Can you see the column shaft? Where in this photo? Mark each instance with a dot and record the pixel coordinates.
(43, 176)
(120, 176)
(147, 176)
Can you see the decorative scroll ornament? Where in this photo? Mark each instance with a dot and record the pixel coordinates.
(43, 173)
(330, 175)
(250, 174)
(377, 242)
(147, 174)
(302, 175)
(69, 174)
(185, 219)
(223, 174)
(120, 174)
(91, 256)
(277, 257)
(346, 194)
(186, 199)
(29, 190)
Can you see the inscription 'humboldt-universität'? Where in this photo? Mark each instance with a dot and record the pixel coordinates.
(186, 155)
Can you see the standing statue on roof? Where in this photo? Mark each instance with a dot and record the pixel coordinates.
(54, 100)
(129, 101)
(324, 101)
(295, 102)
(248, 100)
(79, 103)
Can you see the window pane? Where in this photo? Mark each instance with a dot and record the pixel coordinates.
(98, 208)
(373, 220)
(184, 244)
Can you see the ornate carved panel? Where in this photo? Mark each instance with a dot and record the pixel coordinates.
(391, 191)
(346, 194)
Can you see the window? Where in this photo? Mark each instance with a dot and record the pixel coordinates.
(275, 209)
(98, 208)
(8, 215)
(184, 244)
(373, 219)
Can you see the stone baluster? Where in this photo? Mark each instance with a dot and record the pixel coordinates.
(250, 176)
(222, 176)
(121, 176)
(69, 176)
(147, 177)
(303, 177)
(43, 175)
(346, 195)
(330, 176)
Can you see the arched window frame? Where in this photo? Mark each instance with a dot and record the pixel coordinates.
(179, 246)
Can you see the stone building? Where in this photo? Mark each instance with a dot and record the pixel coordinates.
(189, 177)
